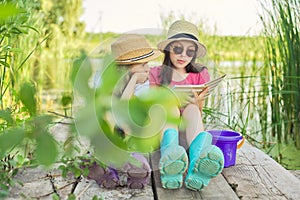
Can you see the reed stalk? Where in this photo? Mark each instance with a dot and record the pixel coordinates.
(282, 27)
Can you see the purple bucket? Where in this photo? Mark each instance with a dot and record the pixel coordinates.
(227, 141)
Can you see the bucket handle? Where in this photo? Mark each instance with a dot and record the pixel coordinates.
(240, 144)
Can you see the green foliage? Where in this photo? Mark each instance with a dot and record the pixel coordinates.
(71, 197)
(66, 100)
(9, 140)
(282, 67)
(27, 96)
(74, 165)
(97, 198)
(46, 150)
(33, 128)
(220, 48)
(80, 74)
(25, 142)
(55, 197)
(8, 10)
(12, 27)
(48, 32)
(6, 115)
(24, 138)
(144, 116)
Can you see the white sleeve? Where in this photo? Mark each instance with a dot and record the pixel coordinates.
(141, 88)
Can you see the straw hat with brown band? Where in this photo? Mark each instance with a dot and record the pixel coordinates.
(131, 49)
(183, 30)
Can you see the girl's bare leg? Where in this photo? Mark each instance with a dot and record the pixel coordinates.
(175, 113)
(193, 117)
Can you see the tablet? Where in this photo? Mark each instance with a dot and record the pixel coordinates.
(199, 88)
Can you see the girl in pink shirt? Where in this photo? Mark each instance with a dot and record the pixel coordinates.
(181, 48)
(199, 76)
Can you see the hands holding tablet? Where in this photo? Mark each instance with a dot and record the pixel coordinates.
(198, 89)
(198, 98)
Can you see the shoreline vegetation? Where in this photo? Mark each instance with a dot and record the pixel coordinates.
(219, 47)
(43, 43)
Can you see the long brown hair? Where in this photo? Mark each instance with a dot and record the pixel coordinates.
(167, 67)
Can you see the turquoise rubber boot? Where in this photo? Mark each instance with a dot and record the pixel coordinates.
(173, 161)
(206, 162)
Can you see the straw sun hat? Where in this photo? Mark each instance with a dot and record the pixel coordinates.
(131, 49)
(183, 30)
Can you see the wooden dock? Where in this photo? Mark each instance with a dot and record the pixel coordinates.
(255, 176)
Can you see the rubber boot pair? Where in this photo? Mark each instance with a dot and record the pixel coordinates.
(138, 176)
(206, 161)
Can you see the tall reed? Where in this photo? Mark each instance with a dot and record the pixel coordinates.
(282, 25)
(47, 34)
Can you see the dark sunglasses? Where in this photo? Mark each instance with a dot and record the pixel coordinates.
(178, 50)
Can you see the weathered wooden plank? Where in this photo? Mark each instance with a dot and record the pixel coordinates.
(87, 189)
(217, 189)
(296, 173)
(36, 185)
(63, 186)
(256, 175)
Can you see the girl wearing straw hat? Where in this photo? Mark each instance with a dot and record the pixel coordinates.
(132, 53)
(181, 48)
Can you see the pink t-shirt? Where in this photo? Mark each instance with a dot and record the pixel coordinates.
(191, 79)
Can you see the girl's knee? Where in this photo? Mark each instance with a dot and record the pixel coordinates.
(176, 112)
(191, 108)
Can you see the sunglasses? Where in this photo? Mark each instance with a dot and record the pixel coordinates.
(178, 50)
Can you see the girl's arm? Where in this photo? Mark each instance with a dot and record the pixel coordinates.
(200, 99)
(130, 87)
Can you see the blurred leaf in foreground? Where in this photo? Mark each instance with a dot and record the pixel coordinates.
(8, 10)
(46, 150)
(27, 96)
(10, 139)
